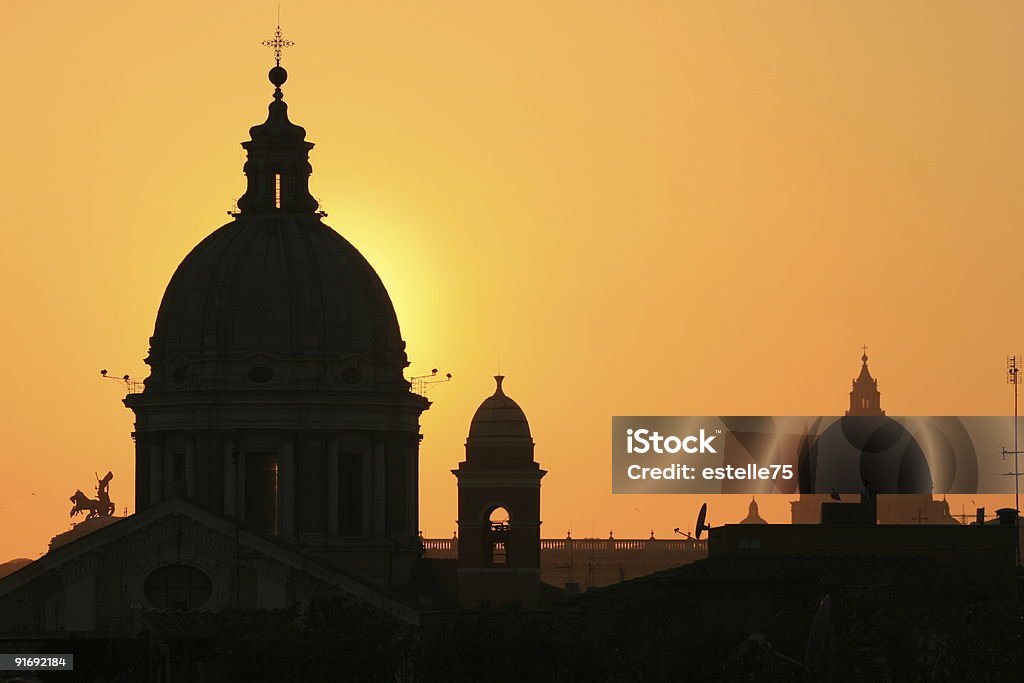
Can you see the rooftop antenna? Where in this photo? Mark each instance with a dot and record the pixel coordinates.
(963, 516)
(1013, 377)
(702, 525)
(684, 534)
(135, 386)
(421, 384)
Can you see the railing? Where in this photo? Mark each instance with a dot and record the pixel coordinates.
(440, 544)
(624, 544)
(234, 381)
(451, 545)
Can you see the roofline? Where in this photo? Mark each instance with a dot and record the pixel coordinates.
(273, 549)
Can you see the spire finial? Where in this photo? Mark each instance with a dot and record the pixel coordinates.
(864, 349)
(278, 43)
(498, 380)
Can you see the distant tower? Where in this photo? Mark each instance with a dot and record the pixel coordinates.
(499, 507)
(865, 399)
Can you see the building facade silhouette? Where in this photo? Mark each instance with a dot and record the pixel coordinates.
(276, 437)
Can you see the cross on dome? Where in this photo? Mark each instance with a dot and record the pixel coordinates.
(278, 43)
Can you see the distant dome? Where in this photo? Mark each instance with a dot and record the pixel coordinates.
(499, 418)
(866, 453)
(753, 516)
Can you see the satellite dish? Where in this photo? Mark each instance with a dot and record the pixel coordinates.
(817, 639)
(820, 628)
(702, 524)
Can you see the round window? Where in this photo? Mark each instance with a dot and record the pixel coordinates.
(261, 374)
(351, 375)
(178, 587)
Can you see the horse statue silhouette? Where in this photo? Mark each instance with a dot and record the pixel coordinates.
(101, 506)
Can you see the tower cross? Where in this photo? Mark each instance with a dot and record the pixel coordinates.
(863, 348)
(278, 43)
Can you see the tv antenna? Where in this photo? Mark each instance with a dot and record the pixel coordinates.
(702, 522)
(135, 386)
(421, 384)
(963, 516)
(1013, 377)
(685, 535)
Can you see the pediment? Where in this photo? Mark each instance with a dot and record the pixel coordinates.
(177, 532)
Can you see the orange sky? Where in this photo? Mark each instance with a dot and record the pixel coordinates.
(644, 207)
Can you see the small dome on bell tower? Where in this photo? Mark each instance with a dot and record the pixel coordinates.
(499, 556)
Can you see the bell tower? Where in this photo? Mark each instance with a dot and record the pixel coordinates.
(499, 507)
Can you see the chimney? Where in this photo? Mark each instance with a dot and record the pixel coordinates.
(1007, 516)
(980, 517)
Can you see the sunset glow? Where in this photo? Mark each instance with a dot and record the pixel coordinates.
(628, 208)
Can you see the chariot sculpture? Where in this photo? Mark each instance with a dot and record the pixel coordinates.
(98, 507)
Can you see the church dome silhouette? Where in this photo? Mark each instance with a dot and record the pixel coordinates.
(871, 453)
(499, 418)
(276, 298)
(276, 394)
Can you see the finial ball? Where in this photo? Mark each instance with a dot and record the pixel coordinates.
(278, 75)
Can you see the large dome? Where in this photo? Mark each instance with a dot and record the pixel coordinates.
(276, 394)
(283, 287)
(276, 299)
